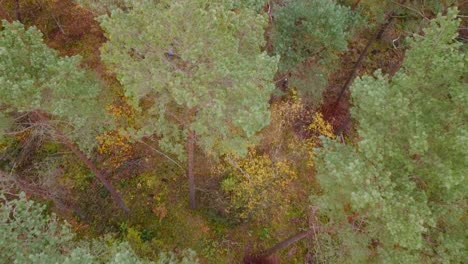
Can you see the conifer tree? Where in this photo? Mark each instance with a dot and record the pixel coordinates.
(196, 73)
(399, 194)
(29, 235)
(34, 80)
(310, 30)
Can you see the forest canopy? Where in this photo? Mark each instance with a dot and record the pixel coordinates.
(250, 131)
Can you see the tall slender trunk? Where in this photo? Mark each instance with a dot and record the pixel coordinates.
(377, 35)
(18, 11)
(191, 177)
(75, 150)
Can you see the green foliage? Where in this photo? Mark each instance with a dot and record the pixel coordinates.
(107, 6)
(34, 78)
(159, 223)
(402, 189)
(315, 30)
(76, 176)
(248, 4)
(5, 124)
(186, 257)
(28, 235)
(152, 236)
(304, 28)
(376, 9)
(210, 77)
(397, 195)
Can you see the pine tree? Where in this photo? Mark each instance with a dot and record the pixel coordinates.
(29, 235)
(310, 30)
(399, 194)
(54, 91)
(196, 73)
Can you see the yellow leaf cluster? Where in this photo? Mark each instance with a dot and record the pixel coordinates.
(284, 114)
(121, 110)
(116, 146)
(288, 112)
(281, 134)
(255, 184)
(321, 127)
(318, 127)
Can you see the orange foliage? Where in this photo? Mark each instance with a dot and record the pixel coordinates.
(120, 109)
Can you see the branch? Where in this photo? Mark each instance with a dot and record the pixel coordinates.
(411, 9)
(161, 153)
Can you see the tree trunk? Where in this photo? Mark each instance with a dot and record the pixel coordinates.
(191, 177)
(355, 5)
(289, 241)
(18, 11)
(268, 256)
(376, 36)
(73, 148)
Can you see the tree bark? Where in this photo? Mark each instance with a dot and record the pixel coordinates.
(287, 242)
(377, 35)
(190, 163)
(75, 150)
